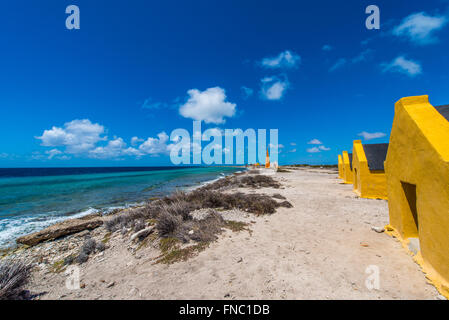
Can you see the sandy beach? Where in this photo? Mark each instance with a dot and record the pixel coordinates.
(321, 248)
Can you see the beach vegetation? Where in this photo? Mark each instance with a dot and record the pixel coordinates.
(14, 275)
(89, 246)
(106, 237)
(166, 244)
(58, 266)
(182, 254)
(236, 226)
(82, 257)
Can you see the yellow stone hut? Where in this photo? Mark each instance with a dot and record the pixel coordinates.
(368, 170)
(347, 167)
(340, 166)
(417, 170)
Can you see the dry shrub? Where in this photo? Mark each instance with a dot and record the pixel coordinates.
(89, 246)
(206, 230)
(139, 225)
(251, 181)
(127, 219)
(180, 208)
(167, 223)
(260, 181)
(13, 276)
(285, 204)
(254, 203)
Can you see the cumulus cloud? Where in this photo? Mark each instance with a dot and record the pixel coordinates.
(402, 65)
(370, 136)
(314, 141)
(318, 146)
(156, 145)
(82, 138)
(313, 150)
(273, 88)
(77, 136)
(420, 28)
(115, 148)
(209, 106)
(136, 140)
(52, 153)
(284, 60)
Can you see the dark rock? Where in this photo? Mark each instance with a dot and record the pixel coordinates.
(58, 230)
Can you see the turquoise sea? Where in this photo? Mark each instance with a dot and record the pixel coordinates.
(34, 198)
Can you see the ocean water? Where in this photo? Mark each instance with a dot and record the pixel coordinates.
(32, 199)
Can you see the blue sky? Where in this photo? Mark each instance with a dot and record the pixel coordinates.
(140, 69)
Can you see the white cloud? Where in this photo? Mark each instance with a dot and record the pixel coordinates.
(53, 152)
(313, 150)
(314, 141)
(247, 92)
(156, 145)
(293, 143)
(370, 136)
(292, 150)
(209, 106)
(419, 28)
(340, 63)
(402, 65)
(77, 136)
(285, 60)
(273, 88)
(327, 47)
(318, 148)
(136, 140)
(113, 149)
(84, 139)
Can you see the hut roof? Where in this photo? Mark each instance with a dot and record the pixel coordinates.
(350, 160)
(444, 110)
(376, 155)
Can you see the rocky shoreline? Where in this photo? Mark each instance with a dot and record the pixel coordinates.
(76, 241)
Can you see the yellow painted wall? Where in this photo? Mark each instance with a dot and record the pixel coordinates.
(367, 184)
(347, 172)
(340, 167)
(418, 155)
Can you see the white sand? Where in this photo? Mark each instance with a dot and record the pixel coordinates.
(311, 251)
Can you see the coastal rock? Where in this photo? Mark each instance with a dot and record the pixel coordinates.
(378, 229)
(58, 230)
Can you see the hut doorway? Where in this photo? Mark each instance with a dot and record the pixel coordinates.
(356, 185)
(410, 217)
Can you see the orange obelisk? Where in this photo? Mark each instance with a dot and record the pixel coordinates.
(267, 160)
